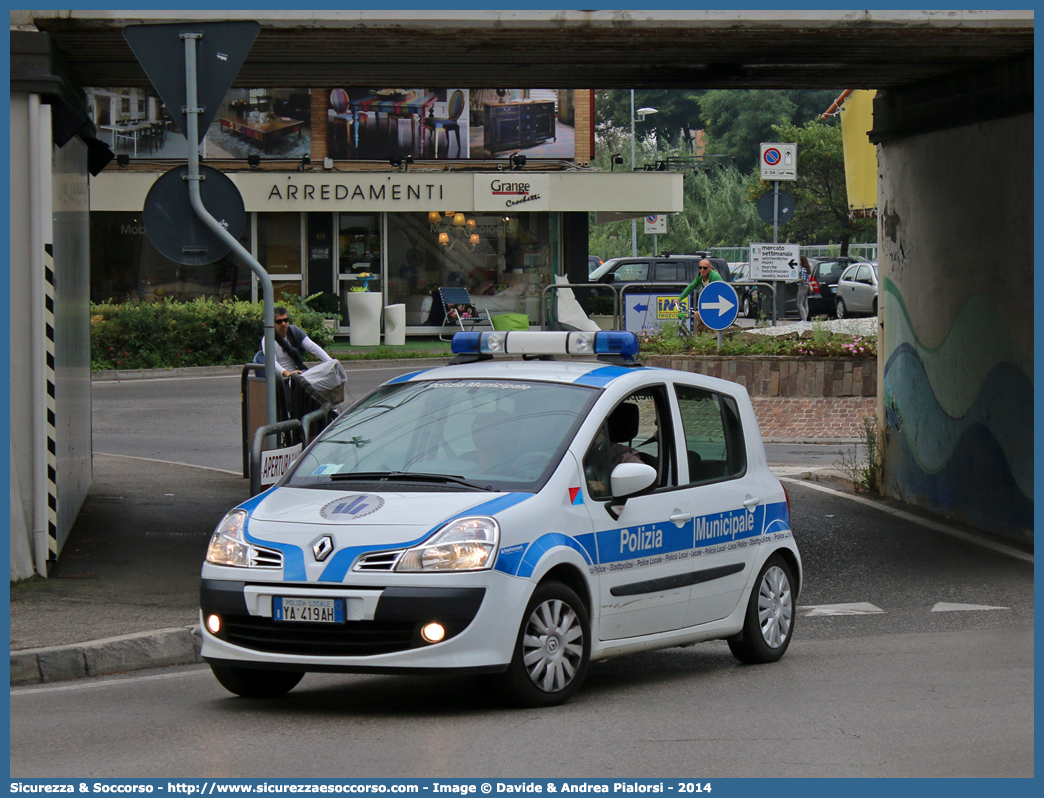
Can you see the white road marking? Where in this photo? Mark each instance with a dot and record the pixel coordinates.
(856, 608)
(170, 462)
(104, 682)
(1000, 548)
(946, 606)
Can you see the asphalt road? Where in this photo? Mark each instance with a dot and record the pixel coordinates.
(197, 420)
(912, 657)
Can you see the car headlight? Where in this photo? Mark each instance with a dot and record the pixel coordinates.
(228, 545)
(466, 544)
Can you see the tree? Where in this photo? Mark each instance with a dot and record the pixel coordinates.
(821, 214)
(716, 212)
(737, 121)
(677, 112)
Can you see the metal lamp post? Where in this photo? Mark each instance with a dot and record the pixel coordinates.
(641, 115)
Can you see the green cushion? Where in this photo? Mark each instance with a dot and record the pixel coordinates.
(511, 321)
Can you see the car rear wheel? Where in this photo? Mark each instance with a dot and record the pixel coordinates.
(255, 682)
(769, 621)
(840, 311)
(875, 306)
(553, 648)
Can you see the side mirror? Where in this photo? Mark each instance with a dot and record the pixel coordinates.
(626, 480)
(631, 478)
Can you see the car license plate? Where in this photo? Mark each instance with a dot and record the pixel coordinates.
(310, 610)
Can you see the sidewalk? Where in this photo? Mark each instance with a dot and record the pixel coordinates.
(129, 568)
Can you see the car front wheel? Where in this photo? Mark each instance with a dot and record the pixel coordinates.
(553, 648)
(748, 309)
(840, 310)
(769, 621)
(254, 682)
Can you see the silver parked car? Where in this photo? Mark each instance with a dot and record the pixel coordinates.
(857, 290)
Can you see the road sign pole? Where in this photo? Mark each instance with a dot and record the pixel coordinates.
(192, 112)
(775, 240)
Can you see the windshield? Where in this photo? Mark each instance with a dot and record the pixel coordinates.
(460, 434)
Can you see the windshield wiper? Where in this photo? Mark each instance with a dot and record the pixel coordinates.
(408, 476)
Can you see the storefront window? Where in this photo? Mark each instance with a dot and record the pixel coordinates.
(504, 261)
(126, 267)
(358, 252)
(279, 251)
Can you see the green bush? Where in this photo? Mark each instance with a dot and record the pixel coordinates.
(172, 334)
(823, 343)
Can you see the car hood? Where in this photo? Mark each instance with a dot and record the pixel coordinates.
(355, 508)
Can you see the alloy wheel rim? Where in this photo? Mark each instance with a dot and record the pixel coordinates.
(552, 645)
(775, 607)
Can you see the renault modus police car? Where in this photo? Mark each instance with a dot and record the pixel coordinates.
(513, 517)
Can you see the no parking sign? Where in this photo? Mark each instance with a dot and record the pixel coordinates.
(656, 223)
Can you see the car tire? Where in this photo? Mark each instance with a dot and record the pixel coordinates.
(254, 682)
(748, 310)
(875, 306)
(552, 651)
(768, 624)
(840, 311)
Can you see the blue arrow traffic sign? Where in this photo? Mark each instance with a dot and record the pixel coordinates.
(718, 305)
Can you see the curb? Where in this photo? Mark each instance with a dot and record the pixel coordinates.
(135, 652)
(237, 370)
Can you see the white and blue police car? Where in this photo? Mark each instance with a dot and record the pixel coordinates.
(513, 517)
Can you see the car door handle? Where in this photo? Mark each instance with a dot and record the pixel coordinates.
(751, 503)
(680, 518)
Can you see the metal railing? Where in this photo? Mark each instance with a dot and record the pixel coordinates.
(544, 304)
(301, 414)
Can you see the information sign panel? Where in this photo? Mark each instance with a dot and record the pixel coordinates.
(649, 312)
(774, 261)
(778, 161)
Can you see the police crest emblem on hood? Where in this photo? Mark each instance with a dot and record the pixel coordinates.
(348, 508)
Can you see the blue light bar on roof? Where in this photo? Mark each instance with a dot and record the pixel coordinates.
(523, 342)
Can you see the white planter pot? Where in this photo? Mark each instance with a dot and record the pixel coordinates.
(364, 317)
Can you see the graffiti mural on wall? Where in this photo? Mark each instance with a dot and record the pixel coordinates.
(959, 417)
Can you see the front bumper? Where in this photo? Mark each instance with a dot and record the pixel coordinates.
(381, 630)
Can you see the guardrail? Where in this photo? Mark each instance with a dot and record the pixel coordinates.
(596, 286)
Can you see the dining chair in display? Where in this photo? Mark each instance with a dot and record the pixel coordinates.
(447, 123)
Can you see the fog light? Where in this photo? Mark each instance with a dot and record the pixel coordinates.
(433, 632)
(213, 624)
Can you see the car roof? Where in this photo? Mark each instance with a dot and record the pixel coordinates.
(610, 264)
(563, 371)
(568, 371)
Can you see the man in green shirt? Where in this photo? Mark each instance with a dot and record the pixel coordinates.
(707, 276)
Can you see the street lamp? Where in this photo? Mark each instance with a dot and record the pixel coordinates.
(642, 112)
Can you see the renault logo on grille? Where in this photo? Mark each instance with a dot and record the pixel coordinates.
(322, 548)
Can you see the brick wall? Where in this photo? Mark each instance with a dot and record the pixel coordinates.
(794, 398)
(782, 376)
(583, 102)
(812, 419)
(320, 102)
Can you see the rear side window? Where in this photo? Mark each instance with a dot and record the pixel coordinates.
(713, 435)
(671, 272)
(830, 271)
(632, 272)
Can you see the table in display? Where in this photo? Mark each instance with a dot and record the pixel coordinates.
(263, 132)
